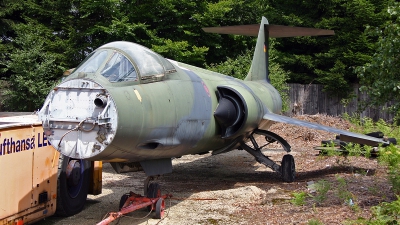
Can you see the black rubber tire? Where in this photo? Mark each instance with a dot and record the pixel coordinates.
(122, 201)
(288, 168)
(72, 198)
(153, 191)
(160, 206)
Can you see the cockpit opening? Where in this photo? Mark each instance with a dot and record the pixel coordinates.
(118, 68)
(124, 61)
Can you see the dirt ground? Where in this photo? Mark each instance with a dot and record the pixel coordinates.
(233, 188)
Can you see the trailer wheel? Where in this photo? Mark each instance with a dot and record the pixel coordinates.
(123, 200)
(72, 185)
(160, 207)
(288, 168)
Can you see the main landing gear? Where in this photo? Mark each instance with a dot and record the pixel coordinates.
(130, 202)
(287, 167)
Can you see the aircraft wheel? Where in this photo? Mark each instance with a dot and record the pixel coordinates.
(122, 201)
(153, 191)
(160, 208)
(72, 185)
(288, 168)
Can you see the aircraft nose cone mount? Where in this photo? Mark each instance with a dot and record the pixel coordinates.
(79, 118)
(226, 113)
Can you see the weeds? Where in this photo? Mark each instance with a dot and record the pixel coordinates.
(387, 212)
(299, 198)
(384, 213)
(322, 187)
(342, 191)
(354, 149)
(390, 156)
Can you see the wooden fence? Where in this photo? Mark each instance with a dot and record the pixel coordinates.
(310, 99)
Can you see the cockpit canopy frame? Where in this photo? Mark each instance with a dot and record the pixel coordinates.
(125, 61)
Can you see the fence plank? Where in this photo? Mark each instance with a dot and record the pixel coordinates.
(310, 99)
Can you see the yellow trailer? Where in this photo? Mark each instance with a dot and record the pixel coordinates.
(35, 180)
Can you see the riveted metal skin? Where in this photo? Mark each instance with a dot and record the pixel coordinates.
(126, 103)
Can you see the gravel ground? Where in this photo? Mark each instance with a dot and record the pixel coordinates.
(232, 188)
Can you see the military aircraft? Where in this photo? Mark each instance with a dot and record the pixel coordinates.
(126, 103)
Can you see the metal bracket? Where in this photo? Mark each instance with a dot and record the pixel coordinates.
(259, 156)
(256, 149)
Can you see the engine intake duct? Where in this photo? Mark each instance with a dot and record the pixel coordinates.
(230, 112)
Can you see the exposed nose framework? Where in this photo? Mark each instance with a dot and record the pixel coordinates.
(80, 118)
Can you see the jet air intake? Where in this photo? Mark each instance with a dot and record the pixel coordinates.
(237, 111)
(100, 101)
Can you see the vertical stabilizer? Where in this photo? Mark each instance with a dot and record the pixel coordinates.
(259, 65)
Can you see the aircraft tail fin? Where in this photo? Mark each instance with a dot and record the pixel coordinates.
(260, 63)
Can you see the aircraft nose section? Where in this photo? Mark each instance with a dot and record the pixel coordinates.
(79, 118)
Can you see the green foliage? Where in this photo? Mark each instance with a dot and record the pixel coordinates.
(367, 125)
(238, 67)
(34, 69)
(329, 60)
(388, 213)
(354, 149)
(314, 222)
(382, 214)
(390, 156)
(299, 198)
(342, 190)
(173, 28)
(321, 187)
(330, 149)
(344, 194)
(181, 51)
(279, 78)
(380, 77)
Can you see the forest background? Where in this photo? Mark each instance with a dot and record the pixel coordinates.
(40, 39)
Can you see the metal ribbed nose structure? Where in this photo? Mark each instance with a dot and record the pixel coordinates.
(79, 118)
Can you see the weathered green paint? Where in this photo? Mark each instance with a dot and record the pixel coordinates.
(127, 103)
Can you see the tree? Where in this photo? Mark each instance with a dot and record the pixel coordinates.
(380, 78)
(34, 69)
(10, 14)
(328, 60)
